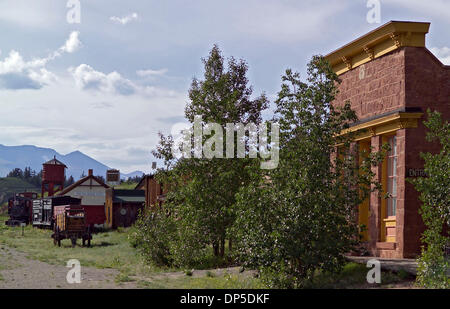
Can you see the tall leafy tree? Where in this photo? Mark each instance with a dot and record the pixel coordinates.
(435, 196)
(202, 191)
(300, 217)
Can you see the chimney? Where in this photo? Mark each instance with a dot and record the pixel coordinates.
(91, 172)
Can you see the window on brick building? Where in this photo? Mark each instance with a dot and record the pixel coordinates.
(392, 177)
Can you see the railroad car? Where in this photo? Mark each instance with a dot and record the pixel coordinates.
(43, 209)
(19, 208)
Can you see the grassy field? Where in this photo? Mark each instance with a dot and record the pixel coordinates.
(111, 249)
(126, 185)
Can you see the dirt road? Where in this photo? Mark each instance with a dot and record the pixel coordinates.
(18, 271)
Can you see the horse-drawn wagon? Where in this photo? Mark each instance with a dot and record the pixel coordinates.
(70, 223)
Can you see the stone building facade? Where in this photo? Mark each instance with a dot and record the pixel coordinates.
(391, 79)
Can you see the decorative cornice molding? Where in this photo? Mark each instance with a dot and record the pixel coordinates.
(396, 38)
(370, 53)
(348, 62)
(389, 37)
(384, 125)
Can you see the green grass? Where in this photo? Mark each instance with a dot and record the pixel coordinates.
(226, 281)
(123, 278)
(126, 186)
(108, 250)
(353, 275)
(111, 249)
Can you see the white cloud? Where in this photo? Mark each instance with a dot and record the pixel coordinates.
(73, 43)
(16, 73)
(87, 78)
(443, 54)
(13, 63)
(124, 20)
(109, 130)
(146, 73)
(43, 76)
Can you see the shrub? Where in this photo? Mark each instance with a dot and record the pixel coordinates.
(435, 195)
(300, 218)
(152, 236)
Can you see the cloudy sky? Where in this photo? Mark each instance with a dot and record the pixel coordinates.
(107, 85)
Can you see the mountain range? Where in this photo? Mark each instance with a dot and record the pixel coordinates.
(31, 156)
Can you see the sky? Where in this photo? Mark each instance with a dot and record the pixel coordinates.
(108, 84)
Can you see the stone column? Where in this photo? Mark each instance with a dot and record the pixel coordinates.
(375, 202)
(401, 172)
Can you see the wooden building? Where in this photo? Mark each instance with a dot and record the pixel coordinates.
(391, 79)
(123, 206)
(154, 194)
(92, 192)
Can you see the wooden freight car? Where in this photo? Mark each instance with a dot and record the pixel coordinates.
(70, 223)
(43, 216)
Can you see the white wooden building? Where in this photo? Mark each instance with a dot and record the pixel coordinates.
(90, 189)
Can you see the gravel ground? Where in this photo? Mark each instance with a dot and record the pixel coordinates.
(17, 271)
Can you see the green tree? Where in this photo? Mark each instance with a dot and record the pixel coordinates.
(435, 196)
(17, 172)
(300, 218)
(202, 191)
(69, 181)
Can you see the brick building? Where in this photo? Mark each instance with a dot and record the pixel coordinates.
(391, 79)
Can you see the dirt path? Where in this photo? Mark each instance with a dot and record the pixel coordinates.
(17, 271)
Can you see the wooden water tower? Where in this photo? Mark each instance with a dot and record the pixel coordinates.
(53, 175)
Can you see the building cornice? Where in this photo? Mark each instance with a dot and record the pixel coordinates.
(383, 40)
(384, 125)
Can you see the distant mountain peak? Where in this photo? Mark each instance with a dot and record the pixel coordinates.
(33, 156)
(76, 153)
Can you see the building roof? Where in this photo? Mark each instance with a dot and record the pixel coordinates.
(82, 180)
(54, 161)
(391, 36)
(151, 176)
(130, 196)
